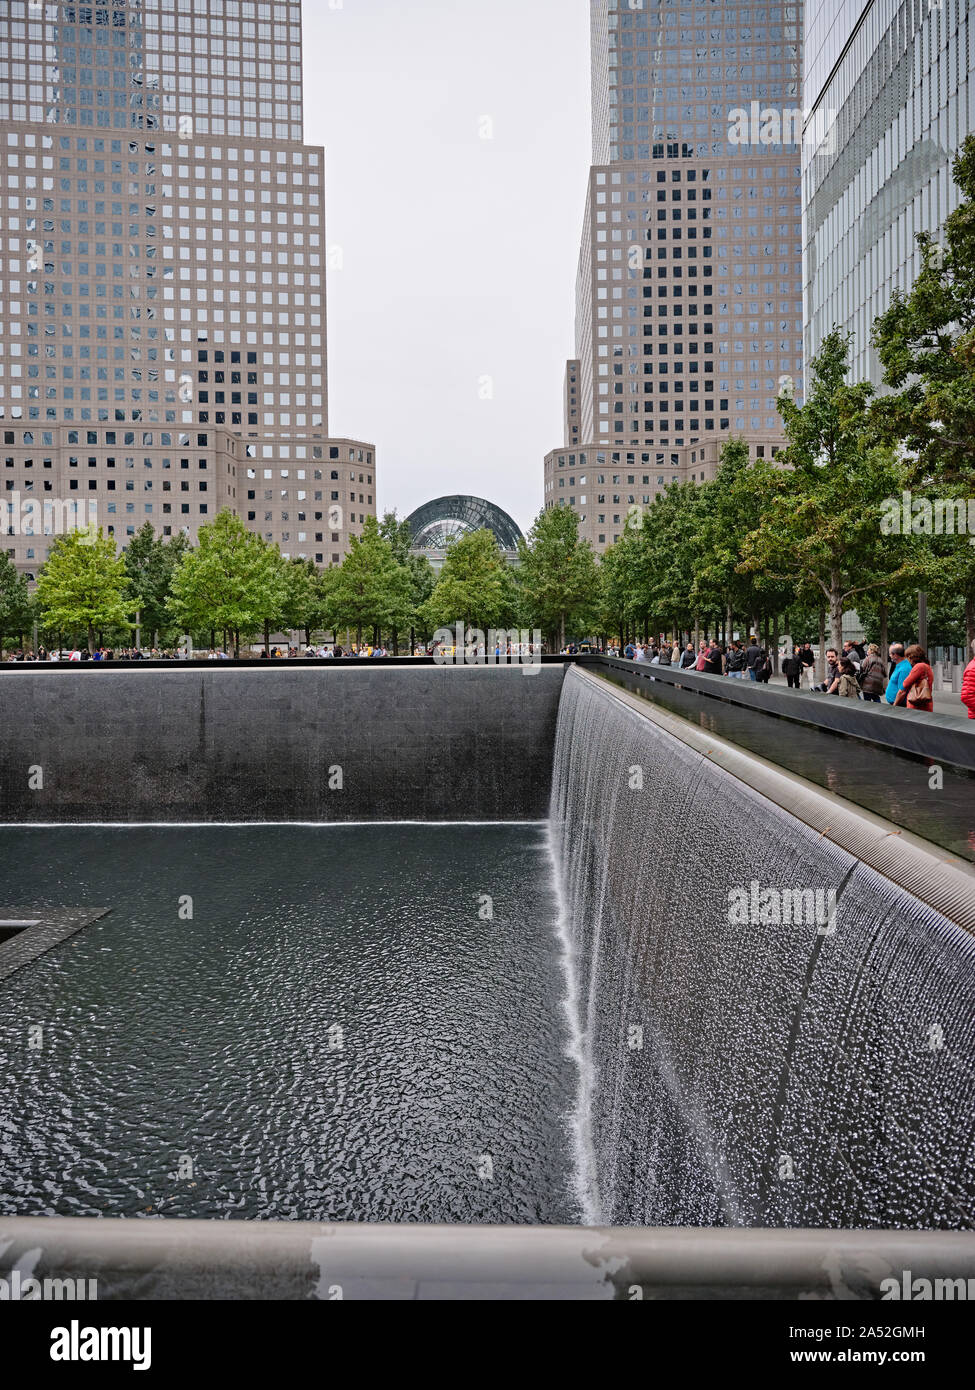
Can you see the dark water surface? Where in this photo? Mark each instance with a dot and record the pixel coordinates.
(897, 786)
(334, 1033)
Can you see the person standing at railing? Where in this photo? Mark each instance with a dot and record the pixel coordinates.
(917, 690)
(901, 669)
(754, 658)
(736, 662)
(792, 668)
(968, 687)
(873, 675)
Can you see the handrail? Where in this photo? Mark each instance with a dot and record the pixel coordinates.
(167, 1258)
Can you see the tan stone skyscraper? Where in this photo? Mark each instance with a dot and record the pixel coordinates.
(689, 300)
(162, 279)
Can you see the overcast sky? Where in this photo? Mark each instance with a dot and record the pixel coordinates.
(458, 253)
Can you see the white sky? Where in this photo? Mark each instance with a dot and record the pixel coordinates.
(459, 254)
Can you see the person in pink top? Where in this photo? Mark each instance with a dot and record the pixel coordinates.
(968, 687)
(918, 691)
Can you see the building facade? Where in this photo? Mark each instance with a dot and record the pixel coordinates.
(689, 309)
(163, 280)
(889, 88)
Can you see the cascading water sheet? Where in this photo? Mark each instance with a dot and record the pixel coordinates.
(776, 1035)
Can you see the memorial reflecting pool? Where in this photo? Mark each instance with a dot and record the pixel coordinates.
(352, 1024)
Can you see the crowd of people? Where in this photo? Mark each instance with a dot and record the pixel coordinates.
(82, 655)
(858, 672)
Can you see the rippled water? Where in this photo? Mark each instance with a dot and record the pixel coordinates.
(335, 1033)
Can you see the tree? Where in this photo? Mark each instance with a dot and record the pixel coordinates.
(17, 607)
(926, 343)
(370, 590)
(233, 582)
(558, 575)
(731, 507)
(84, 586)
(661, 557)
(398, 536)
(475, 587)
(150, 563)
(423, 581)
(822, 523)
(303, 609)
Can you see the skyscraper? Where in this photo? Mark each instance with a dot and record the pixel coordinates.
(689, 312)
(889, 85)
(162, 279)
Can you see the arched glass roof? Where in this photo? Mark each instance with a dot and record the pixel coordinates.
(438, 523)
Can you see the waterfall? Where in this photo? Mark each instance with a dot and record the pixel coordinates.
(769, 1032)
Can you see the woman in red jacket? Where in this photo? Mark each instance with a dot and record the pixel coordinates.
(918, 691)
(968, 687)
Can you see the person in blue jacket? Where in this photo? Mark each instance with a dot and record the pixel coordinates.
(899, 674)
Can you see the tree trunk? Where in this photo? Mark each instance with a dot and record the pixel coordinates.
(697, 633)
(775, 645)
(970, 624)
(884, 633)
(267, 639)
(836, 610)
(237, 643)
(358, 638)
(561, 632)
(91, 639)
(821, 664)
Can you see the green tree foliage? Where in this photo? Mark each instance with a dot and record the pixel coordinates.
(150, 563)
(559, 577)
(926, 344)
(423, 581)
(822, 523)
(84, 586)
(17, 607)
(370, 590)
(304, 606)
(476, 586)
(732, 506)
(233, 582)
(398, 536)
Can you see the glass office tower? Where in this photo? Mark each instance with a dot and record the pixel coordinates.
(689, 313)
(889, 84)
(162, 279)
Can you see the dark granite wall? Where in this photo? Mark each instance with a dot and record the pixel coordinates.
(413, 743)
